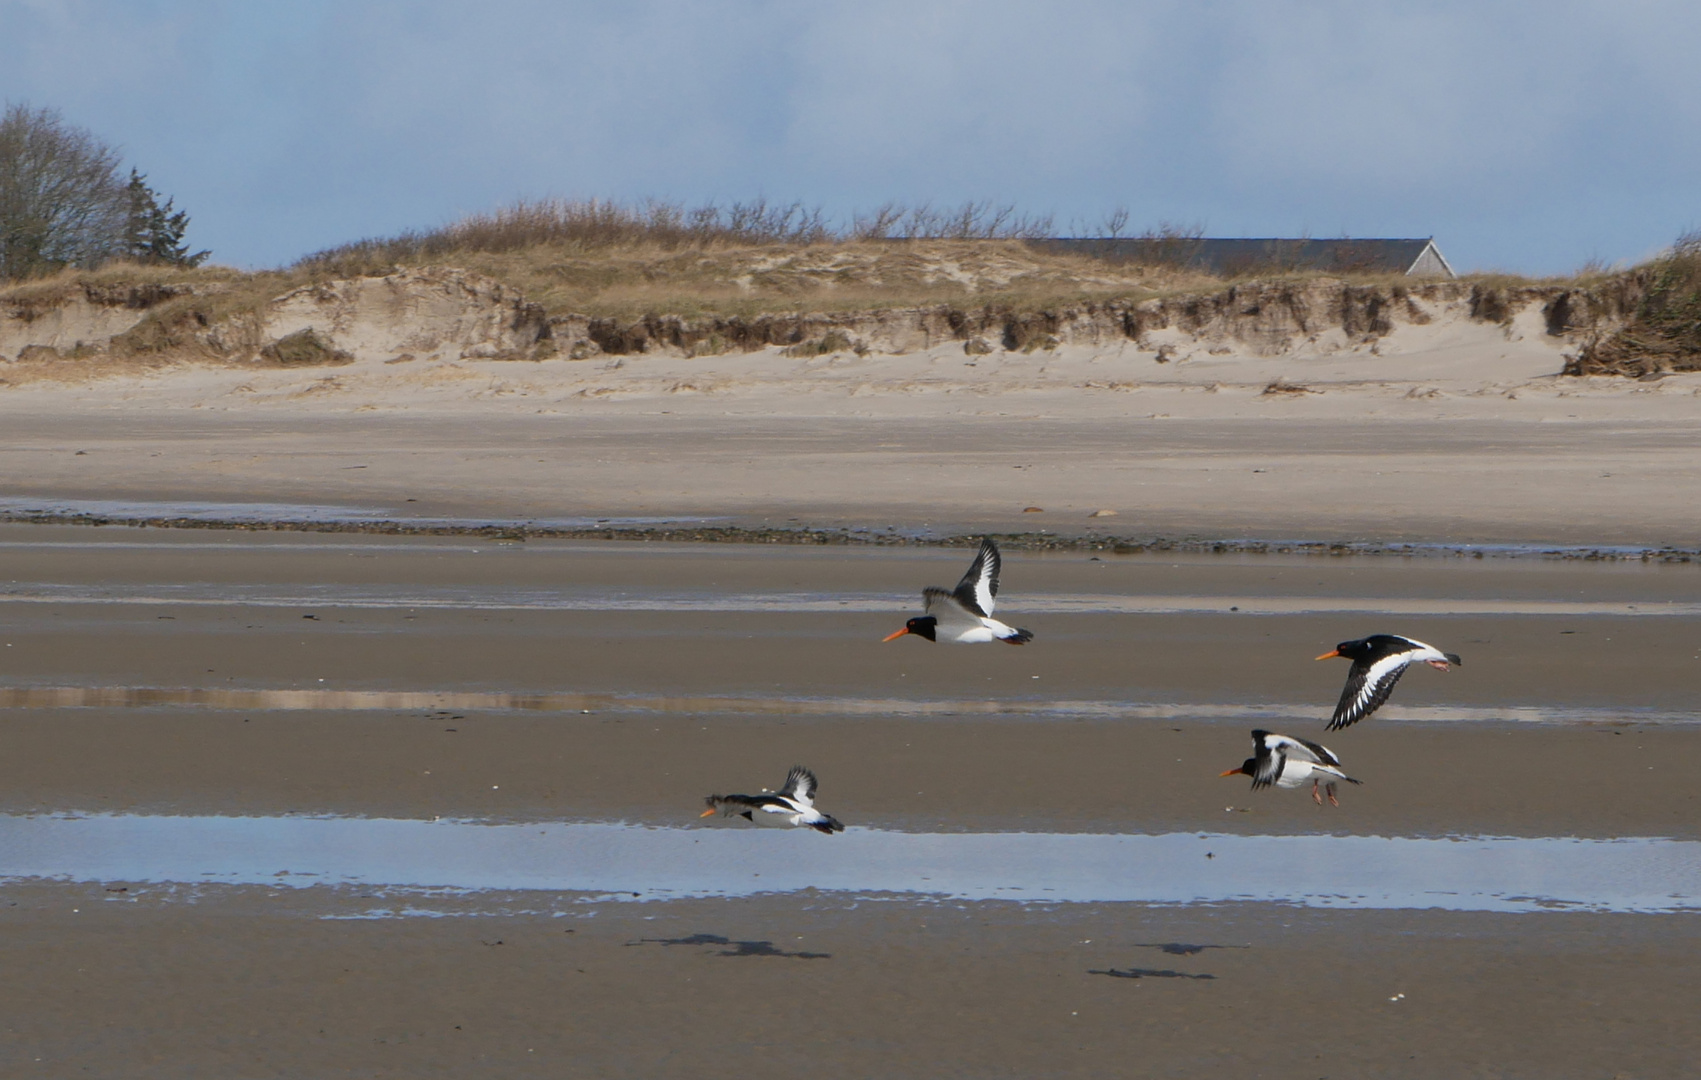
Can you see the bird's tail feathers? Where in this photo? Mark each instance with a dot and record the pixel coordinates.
(1020, 637)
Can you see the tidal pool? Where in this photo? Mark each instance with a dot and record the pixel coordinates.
(1640, 874)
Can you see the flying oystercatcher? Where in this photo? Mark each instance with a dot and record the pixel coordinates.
(1288, 762)
(1378, 662)
(963, 616)
(793, 804)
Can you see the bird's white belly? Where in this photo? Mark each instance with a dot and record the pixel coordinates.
(778, 819)
(986, 630)
(1298, 773)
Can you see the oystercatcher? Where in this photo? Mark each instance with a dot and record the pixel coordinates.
(1378, 662)
(1288, 762)
(793, 804)
(963, 616)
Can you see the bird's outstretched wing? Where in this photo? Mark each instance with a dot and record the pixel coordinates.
(1270, 758)
(1368, 686)
(800, 786)
(947, 607)
(978, 590)
(1316, 752)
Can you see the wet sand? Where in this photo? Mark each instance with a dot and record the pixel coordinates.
(1575, 714)
(273, 986)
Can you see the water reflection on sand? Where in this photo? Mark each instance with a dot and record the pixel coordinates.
(568, 702)
(1454, 873)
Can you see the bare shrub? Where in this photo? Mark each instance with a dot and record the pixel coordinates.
(969, 221)
(62, 203)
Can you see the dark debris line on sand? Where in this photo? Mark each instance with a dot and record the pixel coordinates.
(1146, 973)
(803, 535)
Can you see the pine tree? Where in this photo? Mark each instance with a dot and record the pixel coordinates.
(153, 233)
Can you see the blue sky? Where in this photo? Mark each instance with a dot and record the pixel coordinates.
(1524, 136)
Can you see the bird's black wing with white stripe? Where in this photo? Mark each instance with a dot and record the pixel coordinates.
(1368, 686)
(979, 588)
(1320, 753)
(1269, 759)
(800, 786)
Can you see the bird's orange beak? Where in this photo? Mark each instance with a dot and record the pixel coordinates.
(1327, 655)
(1230, 772)
(710, 812)
(896, 636)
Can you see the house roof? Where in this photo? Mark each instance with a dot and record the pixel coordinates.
(1235, 257)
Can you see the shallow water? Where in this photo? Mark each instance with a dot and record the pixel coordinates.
(339, 596)
(314, 513)
(261, 699)
(730, 859)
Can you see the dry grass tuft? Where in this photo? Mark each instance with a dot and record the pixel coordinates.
(1663, 334)
(613, 260)
(304, 348)
(833, 341)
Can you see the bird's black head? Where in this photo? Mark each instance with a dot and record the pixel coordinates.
(1249, 767)
(922, 625)
(1352, 650)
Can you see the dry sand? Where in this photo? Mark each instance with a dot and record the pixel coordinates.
(1456, 431)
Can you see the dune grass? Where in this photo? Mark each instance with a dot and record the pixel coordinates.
(617, 261)
(1663, 332)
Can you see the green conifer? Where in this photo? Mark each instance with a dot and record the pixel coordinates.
(153, 233)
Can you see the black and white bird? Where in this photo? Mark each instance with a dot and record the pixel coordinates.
(963, 616)
(793, 804)
(1288, 763)
(1378, 662)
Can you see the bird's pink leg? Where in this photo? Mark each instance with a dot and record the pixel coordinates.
(1331, 790)
(1316, 798)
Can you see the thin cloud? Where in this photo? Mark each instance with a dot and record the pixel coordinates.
(1525, 136)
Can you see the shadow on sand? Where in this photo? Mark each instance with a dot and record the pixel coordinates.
(1182, 948)
(739, 948)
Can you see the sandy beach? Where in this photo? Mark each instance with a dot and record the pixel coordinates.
(158, 676)
(219, 745)
(263, 985)
(474, 480)
(1457, 430)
